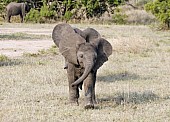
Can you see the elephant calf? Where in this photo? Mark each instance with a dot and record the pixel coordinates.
(85, 52)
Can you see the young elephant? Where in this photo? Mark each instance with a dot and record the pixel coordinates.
(84, 59)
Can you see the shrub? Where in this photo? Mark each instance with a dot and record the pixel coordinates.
(33, 16)
(67, 15)
(161, 9)
(46, 12)
(143, 2)
(119, 17)
(139, 17)
(136, 16)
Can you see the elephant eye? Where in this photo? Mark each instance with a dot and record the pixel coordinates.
(81, 55)
(95, 58)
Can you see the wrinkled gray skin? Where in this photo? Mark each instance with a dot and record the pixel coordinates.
(13, 9)
(85, 53)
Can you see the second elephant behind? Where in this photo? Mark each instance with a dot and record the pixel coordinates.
(13, 9)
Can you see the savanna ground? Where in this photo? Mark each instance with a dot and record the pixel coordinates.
(134, 85)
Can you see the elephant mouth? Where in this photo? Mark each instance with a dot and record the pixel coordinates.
(81, 64)
(86, 72)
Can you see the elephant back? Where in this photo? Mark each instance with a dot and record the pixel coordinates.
(14, 8)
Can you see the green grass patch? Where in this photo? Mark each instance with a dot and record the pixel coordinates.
(22, 36)
(167, 42)
(3, 58)
(44, 52)
(6, 61)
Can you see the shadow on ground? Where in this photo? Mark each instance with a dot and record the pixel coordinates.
(130, 98)
(118, 77)
(11, 62)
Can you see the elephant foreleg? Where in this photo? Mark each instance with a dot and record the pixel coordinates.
(89, 85)
(73, 91)
(8, 18)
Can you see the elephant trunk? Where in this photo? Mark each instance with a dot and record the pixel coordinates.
(87, 70)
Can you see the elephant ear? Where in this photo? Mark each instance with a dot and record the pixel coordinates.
(80, 32)
(91, 34)
(67, 40)
(104, 50)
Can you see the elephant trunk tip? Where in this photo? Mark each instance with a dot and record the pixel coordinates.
(74, 84)
(84, 76)
(77, 82)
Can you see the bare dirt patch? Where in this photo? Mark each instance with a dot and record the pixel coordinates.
(14, 47)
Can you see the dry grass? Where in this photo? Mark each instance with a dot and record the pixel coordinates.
(132, 86)
(137, 16)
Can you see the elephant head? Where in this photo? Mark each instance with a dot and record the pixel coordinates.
(28, 5)
(83, 48)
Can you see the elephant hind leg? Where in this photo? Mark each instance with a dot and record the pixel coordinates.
(94, 96)
(93, 92)
(22, 18)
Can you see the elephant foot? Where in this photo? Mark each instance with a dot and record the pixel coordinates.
(89, 106)
(74, 102)
(65, 67)
(94, 102)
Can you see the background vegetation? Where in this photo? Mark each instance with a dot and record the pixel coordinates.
(101, 11)
(161, 9)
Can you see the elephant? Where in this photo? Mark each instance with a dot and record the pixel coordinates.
(85, 52)
(13, 9)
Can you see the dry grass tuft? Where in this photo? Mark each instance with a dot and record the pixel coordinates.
(6, 61)
(131, 45)
(139, 17)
